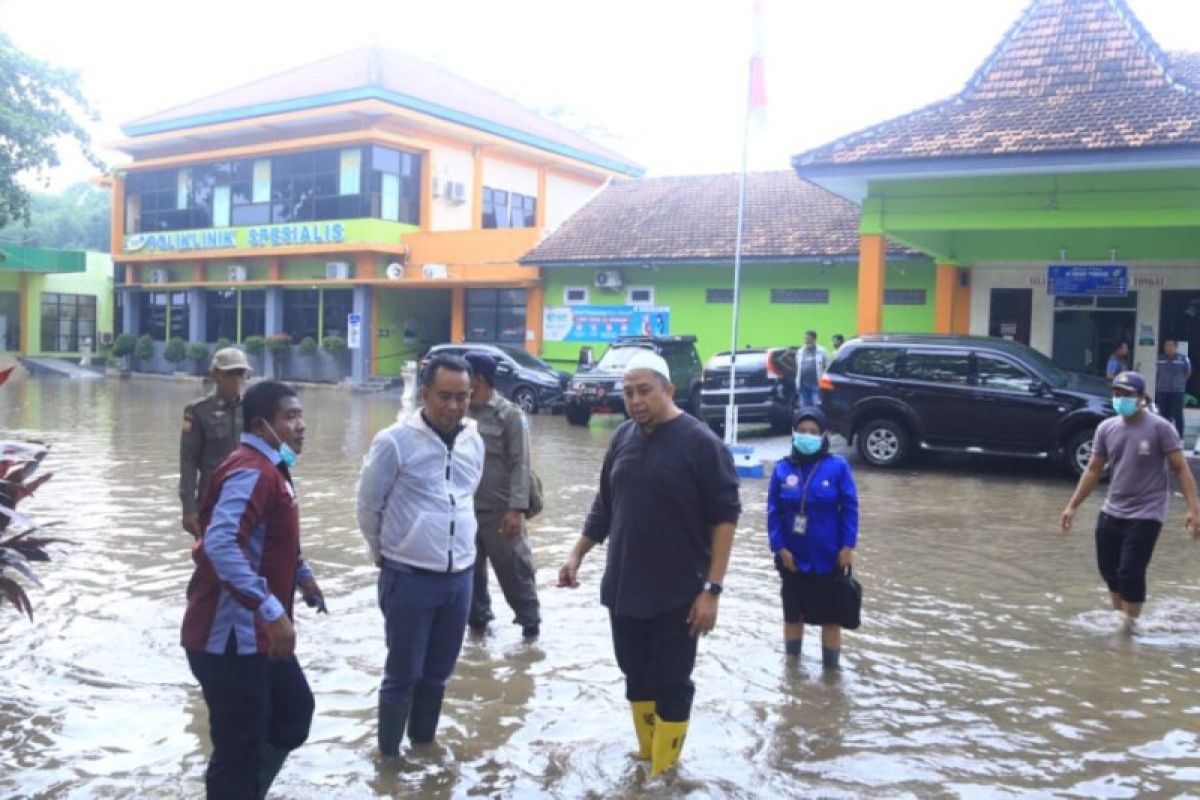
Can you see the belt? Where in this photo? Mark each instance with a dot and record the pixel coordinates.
(399, 566)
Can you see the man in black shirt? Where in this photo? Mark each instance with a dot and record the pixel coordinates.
(668, 504)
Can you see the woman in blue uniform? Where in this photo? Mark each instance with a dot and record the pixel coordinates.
(812, 525)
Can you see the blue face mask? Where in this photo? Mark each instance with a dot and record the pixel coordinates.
(286, 453)
(1125, 406)
(806, 443)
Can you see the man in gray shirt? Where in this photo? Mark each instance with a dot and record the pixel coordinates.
(1170, 383)
(811, 361)
(1140, 446)
(501, 502)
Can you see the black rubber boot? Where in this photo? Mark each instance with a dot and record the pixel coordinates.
(270, 762)
(392, 719)
(830, 658)
(426, 711)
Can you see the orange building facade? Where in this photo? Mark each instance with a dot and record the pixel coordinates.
(369, 197)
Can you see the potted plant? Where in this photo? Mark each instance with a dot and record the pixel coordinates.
(337, 347)
(278, 345)
(198, 353)
(143, 351)
(222, 343)
(123, 347)
(175, 351)
(308, 346)
(254, 347)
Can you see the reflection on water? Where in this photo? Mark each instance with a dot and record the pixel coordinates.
(986, 664)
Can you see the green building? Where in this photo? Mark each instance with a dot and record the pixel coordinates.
(52, 300)
(656, 255)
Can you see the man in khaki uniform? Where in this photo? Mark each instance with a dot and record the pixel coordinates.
(212, 427)
(501, 502)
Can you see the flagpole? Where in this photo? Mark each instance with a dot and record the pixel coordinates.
(731, 409)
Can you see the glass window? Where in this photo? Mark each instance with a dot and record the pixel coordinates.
(718, 295)
(182, 179)
(496, 315)
(180, 313)
(995, 373)
(874, 362)
(254, 312)
(800, 296)
(221, 206)
(639, 296)
(502, 209)
(953, 368)
(67, 319)
(575, 295)
(339, 304)
(300, 307)
(262, 181)
(10, 321)
(389, 201)
(221, 315)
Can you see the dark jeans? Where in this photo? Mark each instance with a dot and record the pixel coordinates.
(1170, 406)
(251, 700)
(808, 397)
(1123, 551)
(657, 655)
(513, 562)
(424, 618)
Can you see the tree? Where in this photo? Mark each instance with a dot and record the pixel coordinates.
(75, 219)
(39, 105)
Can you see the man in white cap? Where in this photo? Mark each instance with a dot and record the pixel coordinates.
(212, 427)
(667, 505)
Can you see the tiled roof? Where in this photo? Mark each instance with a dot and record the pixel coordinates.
(374, 71)
(1071, 75)
(689, 219)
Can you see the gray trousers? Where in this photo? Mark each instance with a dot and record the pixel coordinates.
(513, 562)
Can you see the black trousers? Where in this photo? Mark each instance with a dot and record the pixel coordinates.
(1170, 406)
(657, 655)
(251, 700)
(1123, 551)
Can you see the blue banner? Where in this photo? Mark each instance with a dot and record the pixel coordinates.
(604, 323)
(1085, 280)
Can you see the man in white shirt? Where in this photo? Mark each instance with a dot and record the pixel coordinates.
(416, 511)
(811, 361)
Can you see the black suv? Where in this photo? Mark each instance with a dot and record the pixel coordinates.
(764, 388)
(522, 378)
(893, 394)
(598, 389)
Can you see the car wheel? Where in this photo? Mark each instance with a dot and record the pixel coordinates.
(578, 414)
(884, 443)
(526, 398)
(1079, 451)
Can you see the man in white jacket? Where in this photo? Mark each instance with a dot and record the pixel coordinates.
(416, 511)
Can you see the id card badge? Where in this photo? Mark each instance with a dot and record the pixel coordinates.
(801, 526)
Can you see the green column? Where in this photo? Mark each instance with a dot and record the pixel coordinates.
(320, 317)
(238, 293)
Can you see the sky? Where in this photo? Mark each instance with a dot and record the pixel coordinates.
(661, 81)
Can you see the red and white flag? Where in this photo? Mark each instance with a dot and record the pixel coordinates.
(756, 98)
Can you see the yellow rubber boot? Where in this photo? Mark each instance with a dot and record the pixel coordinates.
(668, 744)
(643, 723)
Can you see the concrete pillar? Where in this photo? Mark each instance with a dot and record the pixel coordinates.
(872, 268)
(943, 298)
(197, 315)
(131, 313)
(360, 359)
(274, 325)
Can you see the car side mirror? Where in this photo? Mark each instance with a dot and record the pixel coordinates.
(504, 367)
(1039, 387)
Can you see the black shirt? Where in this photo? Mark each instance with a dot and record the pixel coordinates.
(660, 497)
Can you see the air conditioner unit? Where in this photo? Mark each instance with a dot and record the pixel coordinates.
(106, 338)
(395, 271)
(159, 275)
(438, 182)
(608, 279)
(237, 273)
(456, 192)
(434, 271)
(337, 271)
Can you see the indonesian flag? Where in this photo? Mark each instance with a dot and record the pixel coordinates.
(757, 97)
(5, 373)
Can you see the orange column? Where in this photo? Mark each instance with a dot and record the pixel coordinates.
(375, 331)
(275, 269)
(458, 314)
(962, 302)
(199, 273)
(23, 315)
(477, 192)
(131, 273)
(945, 287)
(535, 301)
(541, 199)
(426, 214)
(366, 266)
(872, 269)
(116, 229)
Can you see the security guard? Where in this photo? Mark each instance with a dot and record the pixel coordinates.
(211, 429)
(501, 502)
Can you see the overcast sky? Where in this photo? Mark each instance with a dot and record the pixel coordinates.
(663, 80)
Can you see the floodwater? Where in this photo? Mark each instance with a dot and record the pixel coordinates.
(987, 664)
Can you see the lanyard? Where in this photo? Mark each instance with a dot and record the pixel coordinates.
(807, 481)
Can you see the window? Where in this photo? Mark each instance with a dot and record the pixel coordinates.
(639, 296)
(952, 368)
(300, 313)
(221, 315)
(338, 305)
(395, 185)
(718, 295)
(254, 312)
(576, 295)
(802, 296)
(904, 297)
(496, 315)
(10, 321)
(503, 209)
(67, 319)
(873, 362)
(995, 373)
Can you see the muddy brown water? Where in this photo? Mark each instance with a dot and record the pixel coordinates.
(987, 664)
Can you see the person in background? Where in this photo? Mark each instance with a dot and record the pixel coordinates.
(210, 431)
(667, 506)
(1170, 383)
(812, 528)
(501, 502)
(1140, 446)
(811, 361)
(837, 340)
(237, 630)
(416, 510)
(1118, 361)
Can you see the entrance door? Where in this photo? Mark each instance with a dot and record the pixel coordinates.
(1088, 329)
(1010, 314)
(1180, 322)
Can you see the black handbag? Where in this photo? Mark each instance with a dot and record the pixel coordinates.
(847, 599)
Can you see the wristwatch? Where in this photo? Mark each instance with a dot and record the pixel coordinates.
(712, 587)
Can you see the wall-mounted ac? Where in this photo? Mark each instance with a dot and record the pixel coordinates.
(434, 272)
(337, 271)
(395, 271)
(456, 192)
(237, 273)
(438, 185)
(106, 338)
(159, 275)
(608, 279)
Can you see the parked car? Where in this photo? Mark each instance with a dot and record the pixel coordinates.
(892, 395)
(599, 390)
(521, 377)
(764, 387)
